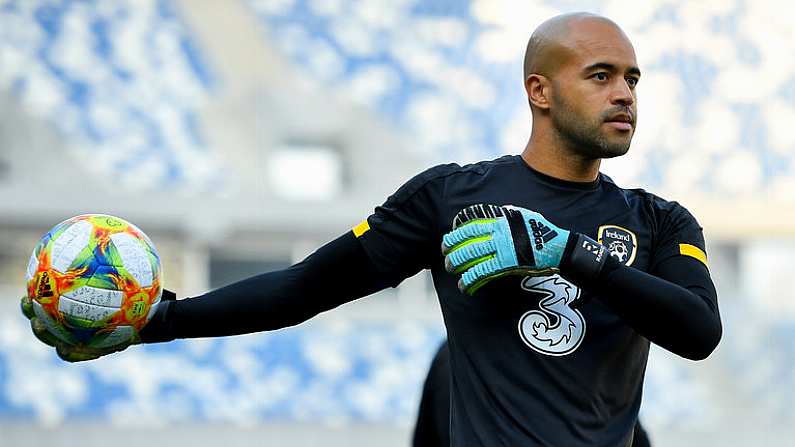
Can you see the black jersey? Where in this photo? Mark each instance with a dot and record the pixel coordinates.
(534, 361)
(432, 428)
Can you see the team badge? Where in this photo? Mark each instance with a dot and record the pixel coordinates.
(621, 243)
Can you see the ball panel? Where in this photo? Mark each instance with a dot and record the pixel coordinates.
(85, 258)
(54, 327)
(118, 335)
(155, 265)
(66, 247)
(108, 223)
(135, 231)
(83, 311)
(134, 258)
(33, 265)
(96, 296)
(105, 277)
(59, 229)
(149, 246)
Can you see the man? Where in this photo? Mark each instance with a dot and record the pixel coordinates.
(550, 303)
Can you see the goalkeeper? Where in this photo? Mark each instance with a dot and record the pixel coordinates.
(550, 303)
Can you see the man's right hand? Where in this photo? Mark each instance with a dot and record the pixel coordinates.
(489, 241)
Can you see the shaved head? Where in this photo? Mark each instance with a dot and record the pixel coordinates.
(552, 42)
(580, 73)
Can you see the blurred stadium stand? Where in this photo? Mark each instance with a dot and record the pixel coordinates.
(190, 117)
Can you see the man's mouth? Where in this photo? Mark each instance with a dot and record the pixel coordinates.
(621, 121)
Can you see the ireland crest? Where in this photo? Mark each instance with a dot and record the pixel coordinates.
(621, 243)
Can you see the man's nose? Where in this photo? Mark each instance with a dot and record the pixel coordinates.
(622, 94)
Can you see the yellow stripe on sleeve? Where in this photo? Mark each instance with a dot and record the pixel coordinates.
(362, 228)
(693, 252)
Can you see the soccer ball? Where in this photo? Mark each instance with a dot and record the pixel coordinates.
(94, 280)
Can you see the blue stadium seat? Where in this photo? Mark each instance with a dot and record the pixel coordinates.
(132, 112)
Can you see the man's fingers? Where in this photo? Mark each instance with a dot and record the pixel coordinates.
(471, 284)
(42, 333)
(470, 232)
(479, 272)
(26, 304)
(477, 212)
(469, 255)
(72, 354)
(66, 351)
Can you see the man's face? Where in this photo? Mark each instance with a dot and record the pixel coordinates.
(593, 104)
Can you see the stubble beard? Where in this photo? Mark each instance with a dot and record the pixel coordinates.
(582, 136)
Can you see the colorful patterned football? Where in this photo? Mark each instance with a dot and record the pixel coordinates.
(94, 280)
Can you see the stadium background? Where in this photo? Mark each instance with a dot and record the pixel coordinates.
(242, 134)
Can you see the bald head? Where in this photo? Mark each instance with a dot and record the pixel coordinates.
(554, 40)
(580, 73)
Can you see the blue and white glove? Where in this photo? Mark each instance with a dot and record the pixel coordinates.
(489, 241)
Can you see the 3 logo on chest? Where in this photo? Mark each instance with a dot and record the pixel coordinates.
(621, 243)
(555, 327)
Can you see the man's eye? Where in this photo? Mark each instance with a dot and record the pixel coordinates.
(632, 82)
(601, 76)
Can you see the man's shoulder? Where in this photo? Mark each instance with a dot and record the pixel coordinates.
(432, 181)
(660, 208)
(476, 168)
(480, 168)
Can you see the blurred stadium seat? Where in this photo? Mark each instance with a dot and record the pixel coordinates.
(121, 80)
(455, 81)
(329, 373)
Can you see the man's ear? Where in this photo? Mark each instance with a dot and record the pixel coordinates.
(538, 88)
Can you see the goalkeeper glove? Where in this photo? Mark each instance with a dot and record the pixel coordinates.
(71, 352)
(488, 242)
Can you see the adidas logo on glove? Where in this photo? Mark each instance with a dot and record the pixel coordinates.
(541, 233)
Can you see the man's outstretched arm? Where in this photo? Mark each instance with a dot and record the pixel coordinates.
(354, 265)
(336, 273)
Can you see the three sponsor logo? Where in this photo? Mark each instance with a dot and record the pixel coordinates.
(555, 327)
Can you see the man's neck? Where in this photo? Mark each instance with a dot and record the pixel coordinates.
(555, 161)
